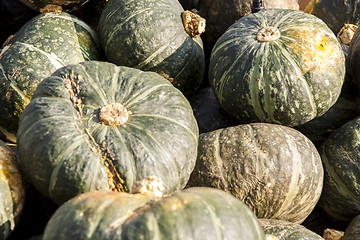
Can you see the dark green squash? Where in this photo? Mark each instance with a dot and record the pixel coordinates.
(353, 62)
(98, 126)
(273, 169)
(193, 214)
(150, 35)
(283, 230)
(352, 231)
(12, 191)
(44, 44)
(43, 6)
(340, 197)
(279, 66)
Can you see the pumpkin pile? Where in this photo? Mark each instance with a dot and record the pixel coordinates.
(173, 119)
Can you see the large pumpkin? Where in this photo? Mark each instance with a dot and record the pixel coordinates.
(44, 44)
(340, 198)
(150, 35)
(279, 66)
(193, 214)
(12, 191)
(273, 169)
(98, 126)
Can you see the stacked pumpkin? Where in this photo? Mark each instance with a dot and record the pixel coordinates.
(106, 122)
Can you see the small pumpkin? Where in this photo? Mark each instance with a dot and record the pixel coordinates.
(12, 191)
(279, 66)
(95, 125)
(150, 35)
(341, 160)
(352, 231)
(275, 229)
(45, 43)
(44, 6)
(196, 213)
(273, 169)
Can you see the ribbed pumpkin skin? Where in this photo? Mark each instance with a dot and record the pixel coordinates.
(283, 230)
(352, 232)
(44, 44)
(65, 5)
(149, 35)
(341, 160)
(12, 191)
(288, 81)
(64, 148)
(273, 169)
(197, 213)
(335, 13)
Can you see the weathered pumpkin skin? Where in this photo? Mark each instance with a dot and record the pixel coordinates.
(43, 6)
(196, 213)
(352, 232)
(220, 15)
(65, 149)
(275, 229)
(341, 160)
(45, 43)
(289, 80)
(12, 191)
(149, 35)
(273, 169)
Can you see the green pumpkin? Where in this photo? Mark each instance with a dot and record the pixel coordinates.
(353, 62)
(283, 230)
(193, 214)
(341, 160)
(53, 5)
(12, 191)
(273, 169)
(150, 35)
(95, 125)
(352, 231)
(45, 43)
(278, 66)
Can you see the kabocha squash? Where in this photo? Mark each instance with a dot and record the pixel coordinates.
(44, 6)
(273, 169)
(279, 66)
(45, 43)
(340, 156)
(150, 35)
(98, 126)
(342, 16)
(275, 229)
(193, 214)
(352, 232)
(12, 191)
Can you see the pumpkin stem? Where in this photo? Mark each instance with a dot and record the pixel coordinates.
(268, 34)
(194, 24)
(346, 33)
(51, 8)
(151, 186)
(113, 114)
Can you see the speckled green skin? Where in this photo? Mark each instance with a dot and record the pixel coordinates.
(285, 230)
(288, 81)
(335, 13)
(12, 191)
(44, 44)
(273, 169)
(192, 214)
(61, 147)
(66, 5)
(340, 156)
(149, 35)
(352, 231)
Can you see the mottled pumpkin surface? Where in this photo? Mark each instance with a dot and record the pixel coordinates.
(71, 138)
(44, 44)
(280, 66)
(196, 213)
(273, 169)
(12, 191)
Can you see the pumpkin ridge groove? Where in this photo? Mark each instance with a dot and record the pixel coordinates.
(193, 50)
(13, 84)
(133, 99)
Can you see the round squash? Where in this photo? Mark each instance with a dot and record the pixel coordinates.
(45, 43)
(278, 66)
(193, 214)
(150, 35)
(273, 169)
(12, 191)
(44, 6)
(342, 16)
(275, 229)
(95, 125)
(340, 197)
(352, 231)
